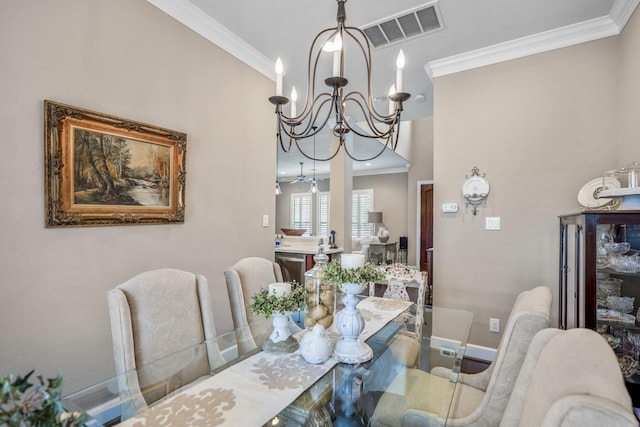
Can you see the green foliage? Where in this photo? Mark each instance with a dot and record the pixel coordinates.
(334, 273)
(266, 303)
(23, 403)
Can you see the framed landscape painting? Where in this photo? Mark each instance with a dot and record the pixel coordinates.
(105, 170)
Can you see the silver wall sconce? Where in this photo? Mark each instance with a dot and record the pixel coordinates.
(475, 189)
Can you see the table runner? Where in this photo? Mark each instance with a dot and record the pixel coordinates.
(255, 390)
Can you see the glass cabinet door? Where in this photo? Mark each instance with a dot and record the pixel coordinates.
(600, 282)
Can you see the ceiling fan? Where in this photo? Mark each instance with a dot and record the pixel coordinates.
(303, 178)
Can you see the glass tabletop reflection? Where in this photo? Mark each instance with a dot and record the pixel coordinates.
(346, 394)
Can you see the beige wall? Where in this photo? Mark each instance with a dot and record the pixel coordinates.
(128, 59)
(629, 92)
(539, 127)
(390, 198)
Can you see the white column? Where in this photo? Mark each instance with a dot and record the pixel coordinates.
(340, 195)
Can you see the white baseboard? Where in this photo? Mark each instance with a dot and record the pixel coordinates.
(481, 353)
(230, 353)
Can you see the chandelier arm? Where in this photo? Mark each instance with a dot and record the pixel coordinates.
(297, 121)
(311, 75)
(365, 49)
(364, 159)
(389, 120)
(279, 139)
(310, 125)
(314, 114)
(323, 159)
(377, 133)
(282, 143)
(389, 140)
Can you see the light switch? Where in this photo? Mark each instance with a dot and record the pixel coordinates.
(492, 223)
(265, 220)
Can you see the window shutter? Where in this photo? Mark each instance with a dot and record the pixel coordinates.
(300, 217)
(323, 214)
(362, 203)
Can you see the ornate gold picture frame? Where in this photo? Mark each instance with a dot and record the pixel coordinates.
(105, 170)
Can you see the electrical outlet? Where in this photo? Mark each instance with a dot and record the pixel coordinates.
(447, 352)
(494, 325)
(265, 220)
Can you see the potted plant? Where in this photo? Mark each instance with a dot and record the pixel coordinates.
(369, 272)
(268, 303)
(23, 403)
(275, 303)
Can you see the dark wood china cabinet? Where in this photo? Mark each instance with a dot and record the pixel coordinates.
(599, 282)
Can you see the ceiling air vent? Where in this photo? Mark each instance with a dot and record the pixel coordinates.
(422, 20)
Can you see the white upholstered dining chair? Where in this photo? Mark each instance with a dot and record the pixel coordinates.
(569, 379)
(163, 335)
(244, 279)
(479, 399)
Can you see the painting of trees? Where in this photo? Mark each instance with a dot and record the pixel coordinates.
(112, 170)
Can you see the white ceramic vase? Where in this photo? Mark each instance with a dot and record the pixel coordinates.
(280, 341)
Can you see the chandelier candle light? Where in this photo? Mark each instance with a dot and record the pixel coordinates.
(347, 107)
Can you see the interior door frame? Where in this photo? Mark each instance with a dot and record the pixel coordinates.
(419, 184)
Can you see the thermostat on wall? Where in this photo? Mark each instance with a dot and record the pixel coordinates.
(449, 207)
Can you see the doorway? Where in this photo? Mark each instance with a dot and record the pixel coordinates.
(425, 220)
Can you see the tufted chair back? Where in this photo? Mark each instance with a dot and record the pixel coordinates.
(244, 279)
(157, 318)
(569, 379)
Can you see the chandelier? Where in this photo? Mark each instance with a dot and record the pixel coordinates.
(336, 106)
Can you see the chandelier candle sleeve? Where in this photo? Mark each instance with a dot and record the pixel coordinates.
(392, 105)
(349, 261)
(399, 72)
(280, 289)
(294, 98)
(337, 50)
(279, 77)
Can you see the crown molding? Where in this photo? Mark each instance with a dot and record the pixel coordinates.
(385, 171)
(622, 10)
(570, 35)
(193, 17)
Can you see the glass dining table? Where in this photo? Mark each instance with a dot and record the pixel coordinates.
(259, 388)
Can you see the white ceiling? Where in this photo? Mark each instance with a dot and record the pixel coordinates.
(475, 33)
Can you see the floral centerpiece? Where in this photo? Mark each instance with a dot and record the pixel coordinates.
(269, 301)
(23, 403)
(336, 273)
(277, 301)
